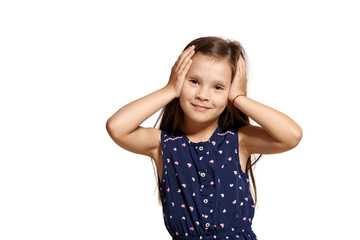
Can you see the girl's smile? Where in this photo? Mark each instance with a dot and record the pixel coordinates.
(200, 108)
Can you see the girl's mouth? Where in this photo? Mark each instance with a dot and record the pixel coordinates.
(200, 108)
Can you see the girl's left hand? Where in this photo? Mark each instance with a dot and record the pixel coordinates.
(238, 85)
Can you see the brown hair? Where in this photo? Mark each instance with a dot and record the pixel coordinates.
(172, 115)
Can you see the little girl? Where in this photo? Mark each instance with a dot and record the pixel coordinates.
(203, 148)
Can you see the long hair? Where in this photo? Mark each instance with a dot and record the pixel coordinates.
(172, 116)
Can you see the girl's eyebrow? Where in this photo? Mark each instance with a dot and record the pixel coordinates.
(194, 75)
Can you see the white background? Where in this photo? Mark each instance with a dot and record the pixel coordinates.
(67, 66)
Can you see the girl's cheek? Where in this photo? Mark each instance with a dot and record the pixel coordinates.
(225, 95)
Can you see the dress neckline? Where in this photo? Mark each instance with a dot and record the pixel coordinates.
(217, 130)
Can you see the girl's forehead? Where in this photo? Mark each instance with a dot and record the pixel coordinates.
(209, 66)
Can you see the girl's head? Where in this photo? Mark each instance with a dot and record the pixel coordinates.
(214, 66)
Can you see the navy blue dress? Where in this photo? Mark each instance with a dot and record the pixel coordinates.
(204, 192)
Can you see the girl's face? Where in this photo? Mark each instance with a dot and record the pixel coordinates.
(204, 95)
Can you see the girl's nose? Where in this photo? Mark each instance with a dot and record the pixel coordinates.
(202, 95)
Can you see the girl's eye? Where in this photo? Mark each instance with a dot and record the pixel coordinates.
(219, 87)
(193, 81)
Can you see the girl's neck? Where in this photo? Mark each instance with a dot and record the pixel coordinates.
(199, 132)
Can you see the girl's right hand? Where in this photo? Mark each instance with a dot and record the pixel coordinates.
(179, 71)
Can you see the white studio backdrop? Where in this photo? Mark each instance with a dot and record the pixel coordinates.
(67, 66)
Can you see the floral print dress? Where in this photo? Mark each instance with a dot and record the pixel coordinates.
(204, 192)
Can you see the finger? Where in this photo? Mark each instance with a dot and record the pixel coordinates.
(239, 70)
(241, 60)
(186, 69)
(238, 67)
(241, 66)
(186, 61)
(183, 55)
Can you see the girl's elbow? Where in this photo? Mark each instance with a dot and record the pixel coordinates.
(110, 128)
(114, 135)
(296, 138)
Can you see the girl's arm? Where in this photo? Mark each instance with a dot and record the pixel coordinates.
(278, 132)
(124, 125)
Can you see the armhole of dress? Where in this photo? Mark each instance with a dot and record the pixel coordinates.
(246, 166)
(238, 154)
(162, 138)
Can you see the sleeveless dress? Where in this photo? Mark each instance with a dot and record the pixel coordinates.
(204, 193)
